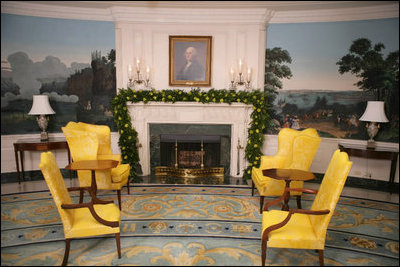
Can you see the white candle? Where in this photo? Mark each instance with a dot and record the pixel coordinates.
(129, 71)
(147, 72)
(248, 74)
(240, 65)
(232, 74)
(138, 64)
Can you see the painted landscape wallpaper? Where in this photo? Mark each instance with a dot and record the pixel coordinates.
(316, 94)
(73, 61)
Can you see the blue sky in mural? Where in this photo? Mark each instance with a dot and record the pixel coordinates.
(316, 47)
(69, 40)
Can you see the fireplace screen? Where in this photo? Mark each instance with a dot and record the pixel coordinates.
(190, 155)
(190, 159)
(186, 150)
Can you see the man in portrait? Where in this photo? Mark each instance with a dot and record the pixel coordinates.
(192, 70)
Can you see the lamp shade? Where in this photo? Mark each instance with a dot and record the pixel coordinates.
(374, 112)
(41, 105)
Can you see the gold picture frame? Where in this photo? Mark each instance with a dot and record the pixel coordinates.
(190, 60)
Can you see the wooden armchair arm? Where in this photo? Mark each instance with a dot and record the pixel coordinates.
(287, 190)
(286, 220)
(304, 190)
(92, 211)
(95, 200)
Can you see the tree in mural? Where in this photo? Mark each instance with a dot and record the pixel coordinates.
(275, 69)
(95, 86)
(378, 75)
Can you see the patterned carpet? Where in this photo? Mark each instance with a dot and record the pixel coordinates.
(189, 225)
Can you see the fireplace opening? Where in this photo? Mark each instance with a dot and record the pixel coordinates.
(202, 150)
(190, 151)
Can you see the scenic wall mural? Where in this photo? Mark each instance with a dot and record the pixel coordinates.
(312, 92)
(72, 61)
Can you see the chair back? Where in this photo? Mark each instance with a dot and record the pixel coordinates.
(330, 190)
(305, 146)
(298, 147)
(55, 182)
(285, 142)
(104, 135)
(82, 145)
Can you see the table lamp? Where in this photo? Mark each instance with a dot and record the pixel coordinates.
(374, 114)
(41, 106)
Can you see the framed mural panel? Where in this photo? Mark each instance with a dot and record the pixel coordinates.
(190, 60)
(80, 79)
(317, 94)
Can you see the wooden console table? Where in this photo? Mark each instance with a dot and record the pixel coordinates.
(34, 144)
(375, 153)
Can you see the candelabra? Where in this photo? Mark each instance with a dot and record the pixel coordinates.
(137, 80)
(241, 80)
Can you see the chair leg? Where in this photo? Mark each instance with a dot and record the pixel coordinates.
(298, 199)
(252, 188)
(119, 198)
(128, 186)
(66, 253)
(261, 204)
(118, 239)
(81, 196)
(321, 257)
(263, 252)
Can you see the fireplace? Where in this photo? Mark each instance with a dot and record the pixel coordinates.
(190, 150)
(230, 121)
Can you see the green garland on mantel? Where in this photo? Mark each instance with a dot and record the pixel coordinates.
(129, 138)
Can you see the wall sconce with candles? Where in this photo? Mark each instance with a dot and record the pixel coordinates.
(374, 114)
(241, 80)
(137, 80)
(41, 106)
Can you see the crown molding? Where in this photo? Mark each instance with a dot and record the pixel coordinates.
(206, 14)
(342, 14)
(50, 11)
(195, 16)
(141, 14)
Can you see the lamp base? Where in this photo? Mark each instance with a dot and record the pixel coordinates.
(44, 136)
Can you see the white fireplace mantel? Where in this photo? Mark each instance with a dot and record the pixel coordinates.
(236, 114)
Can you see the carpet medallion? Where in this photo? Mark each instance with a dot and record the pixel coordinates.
(193, 225)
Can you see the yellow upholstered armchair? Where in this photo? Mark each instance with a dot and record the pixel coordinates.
(79, 220)
(82, 139)
(296, 150)
(306, 229)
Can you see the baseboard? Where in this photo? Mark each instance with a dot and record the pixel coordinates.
(364, 183)
(12, 177)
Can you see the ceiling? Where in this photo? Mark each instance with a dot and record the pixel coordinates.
(277, 6)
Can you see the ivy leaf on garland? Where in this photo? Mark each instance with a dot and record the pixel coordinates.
(128, 140)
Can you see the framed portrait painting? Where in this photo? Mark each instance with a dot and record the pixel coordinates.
(190, 60)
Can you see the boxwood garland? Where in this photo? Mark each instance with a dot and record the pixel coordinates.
(129, 138)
